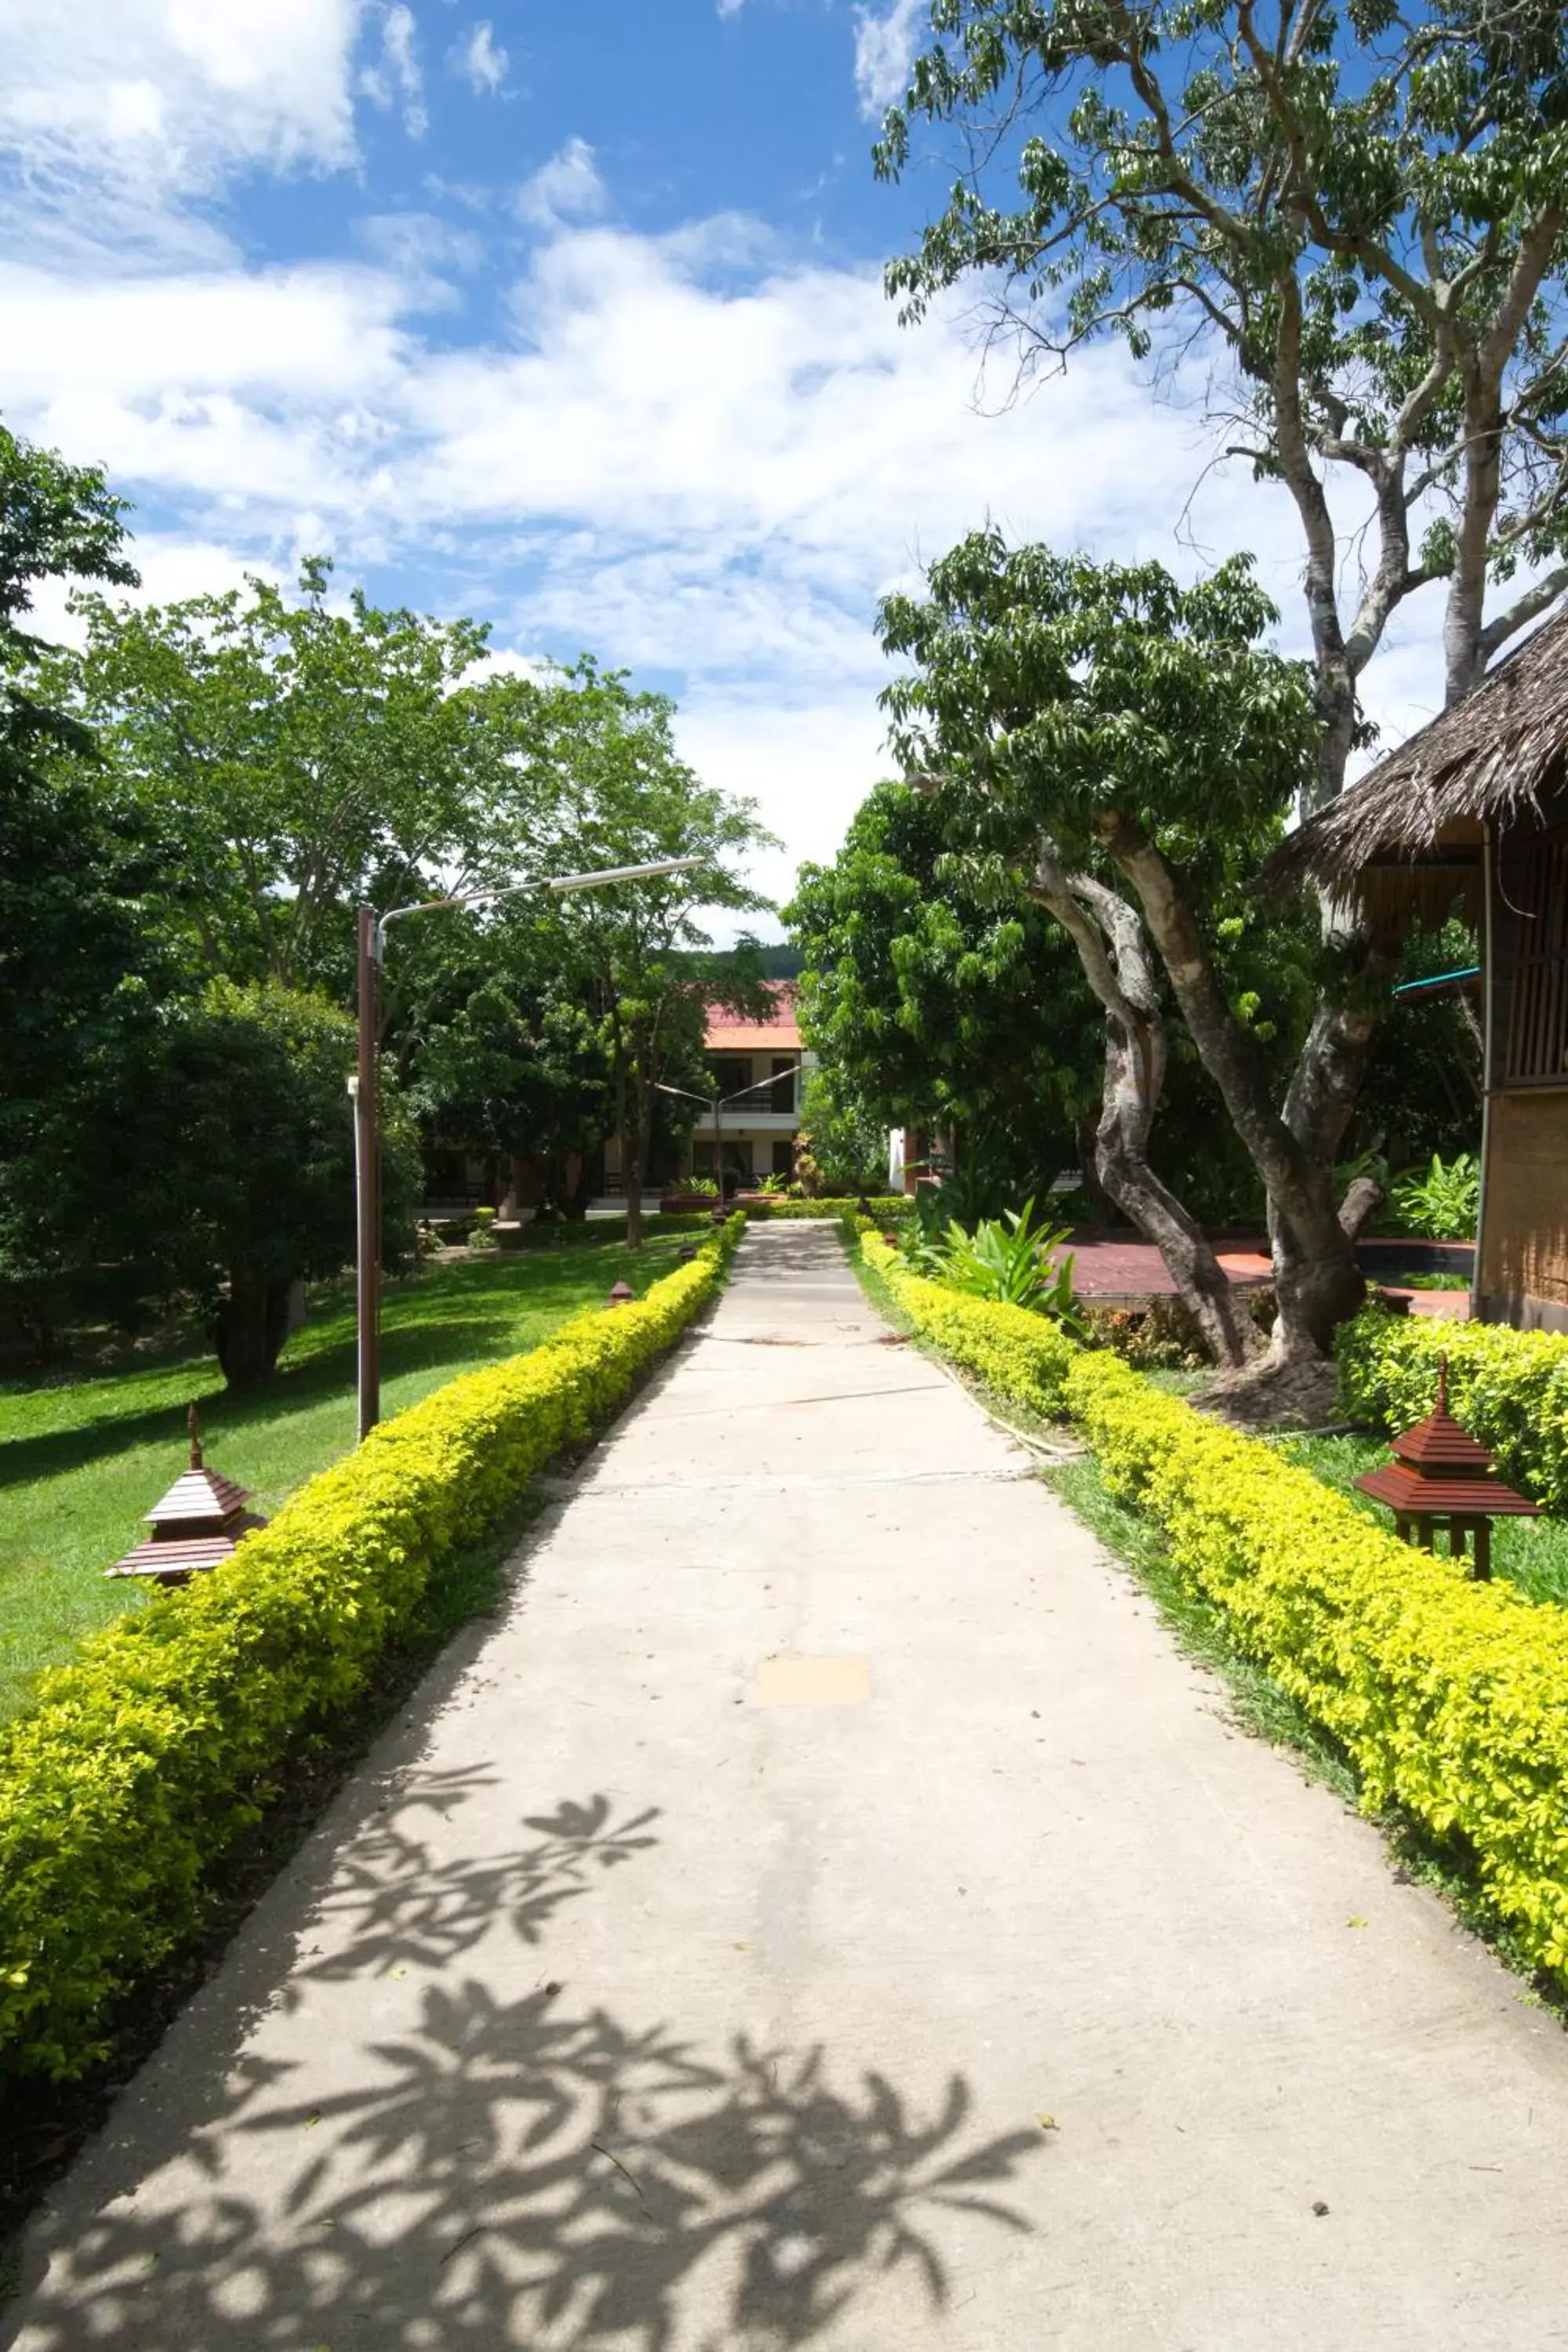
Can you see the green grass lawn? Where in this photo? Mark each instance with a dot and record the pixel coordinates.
(1532, 1552)
(82, 1457)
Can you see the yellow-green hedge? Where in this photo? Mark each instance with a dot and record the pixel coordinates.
(147, 1755)
(1019, 1356)
(886, 1208)
(1451, 1696)
(1509, 1388)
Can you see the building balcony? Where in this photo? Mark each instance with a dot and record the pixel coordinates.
(739, 1121)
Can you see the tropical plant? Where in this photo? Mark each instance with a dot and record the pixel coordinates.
(1011, 1259)
(1443, 1203)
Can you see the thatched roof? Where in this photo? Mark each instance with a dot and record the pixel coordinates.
(1409, 833)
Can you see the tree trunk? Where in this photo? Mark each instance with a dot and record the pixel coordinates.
(1202, 1283)
(1318, 1282)
(1111, 949)
(251, 1327)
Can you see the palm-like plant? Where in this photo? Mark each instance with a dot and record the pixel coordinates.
(1011, 1259)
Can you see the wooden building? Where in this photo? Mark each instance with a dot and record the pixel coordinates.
(1471, 814)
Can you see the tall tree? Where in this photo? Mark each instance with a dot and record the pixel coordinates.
(1357, 216)
(939, 991)
(212, 1158)
(938, 995)
(311, 758)
(82, 951)
(1359, 212)
(595, 781)
(490, 1025)
(1131, 748)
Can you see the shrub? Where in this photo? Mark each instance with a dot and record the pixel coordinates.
(482, 1235)
(1021, 1356)
(1443, 1202)
(1451, 1697)
(1509, 1388)
(1007, 1259)
(887, 1209)
(146, 1757)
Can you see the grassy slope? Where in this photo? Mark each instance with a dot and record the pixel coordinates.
(82, 1459)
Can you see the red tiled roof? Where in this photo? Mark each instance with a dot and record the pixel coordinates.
(733, 1033)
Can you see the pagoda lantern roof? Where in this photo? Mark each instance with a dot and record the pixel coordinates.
(1440, 1470)
(194, 1526)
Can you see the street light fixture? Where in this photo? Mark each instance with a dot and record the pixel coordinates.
(717, 1104)
(373, 931)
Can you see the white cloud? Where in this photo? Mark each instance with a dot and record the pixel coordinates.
(395, 78)
(480, 59)
(885, 48)
(173, 94)
(567, 188)
(686, 454)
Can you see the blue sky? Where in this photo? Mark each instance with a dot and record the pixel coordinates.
(567, 316)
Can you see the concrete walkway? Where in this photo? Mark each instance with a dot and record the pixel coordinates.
(824, 1909)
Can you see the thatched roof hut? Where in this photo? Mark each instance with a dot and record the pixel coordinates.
(1407, 840)
(1473, 810)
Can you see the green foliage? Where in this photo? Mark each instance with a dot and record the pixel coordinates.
(847, 1144)
(1508, 1388)
(1009, 1258)
(315, 758)
(57, 523)
(1359, 209)
(1024, 1357)
(1048, 690)
(1446, 1694)
(887, 1209)
(596, 779)
(1442, 1202)
(229, 1124)
(928, 978)
(145, 1758)
(1422, 1093)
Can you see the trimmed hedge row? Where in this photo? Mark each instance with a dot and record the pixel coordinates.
(1452, 1697)
(148, 1754)
(887, 1209)
(1509, 1388)
(1020, 1356)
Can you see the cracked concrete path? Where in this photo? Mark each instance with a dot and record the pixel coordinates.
(823, 1909)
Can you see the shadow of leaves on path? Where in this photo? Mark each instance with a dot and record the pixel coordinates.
(392, 1902)
(490, 2171)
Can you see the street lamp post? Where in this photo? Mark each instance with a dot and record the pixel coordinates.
(717, 1104)
(373, 930)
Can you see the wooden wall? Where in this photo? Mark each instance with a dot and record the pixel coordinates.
(1522, 1276)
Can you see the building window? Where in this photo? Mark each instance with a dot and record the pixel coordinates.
(1538, 1005)
(780, 1094)
(783, 1160)
(732, 1073)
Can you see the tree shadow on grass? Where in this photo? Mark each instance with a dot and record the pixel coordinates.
(483, 1312)
(495, 2169)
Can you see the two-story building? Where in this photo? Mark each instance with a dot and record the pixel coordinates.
(758, 1067)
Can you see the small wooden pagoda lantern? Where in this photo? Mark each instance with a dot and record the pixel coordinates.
(1441, 1478)
(198, 1523)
